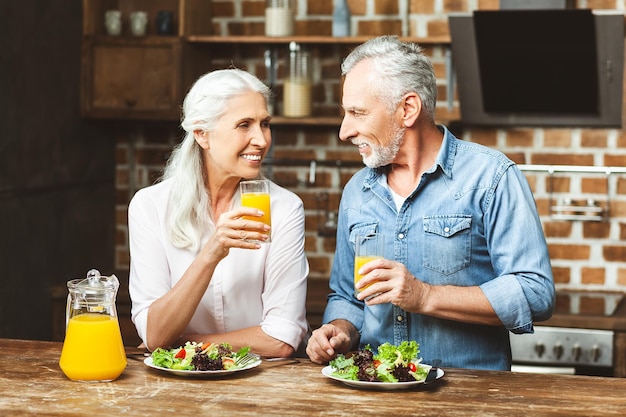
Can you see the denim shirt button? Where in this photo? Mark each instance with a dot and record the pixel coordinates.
(446, 229)
(400, 235)
(399, 318)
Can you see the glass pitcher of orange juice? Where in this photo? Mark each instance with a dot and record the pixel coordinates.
(93, 349)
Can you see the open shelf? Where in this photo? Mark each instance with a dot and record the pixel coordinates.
(435, 40)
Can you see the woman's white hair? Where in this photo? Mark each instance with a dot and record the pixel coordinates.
(188, 206)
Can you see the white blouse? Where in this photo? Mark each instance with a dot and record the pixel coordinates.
(264, 287)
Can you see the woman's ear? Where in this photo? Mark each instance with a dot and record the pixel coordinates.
(412, 107)
(202, 138)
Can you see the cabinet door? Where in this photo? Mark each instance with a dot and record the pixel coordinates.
(125, 79)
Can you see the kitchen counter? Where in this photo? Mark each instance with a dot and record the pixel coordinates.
(31, 384)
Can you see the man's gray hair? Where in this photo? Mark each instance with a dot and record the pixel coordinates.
(400, 68)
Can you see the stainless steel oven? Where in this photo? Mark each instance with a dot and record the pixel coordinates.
(562, 346)
(564, 350)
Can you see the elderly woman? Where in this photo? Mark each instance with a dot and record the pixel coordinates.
(201, 270)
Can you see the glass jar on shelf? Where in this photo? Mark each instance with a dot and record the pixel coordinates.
(297, 100)
(279, 17)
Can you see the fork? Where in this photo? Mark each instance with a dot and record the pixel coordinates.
(247, 359)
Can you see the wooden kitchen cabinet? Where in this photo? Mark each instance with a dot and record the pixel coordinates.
(128, 79)
(140, 77)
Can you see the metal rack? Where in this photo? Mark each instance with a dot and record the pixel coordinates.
(571, 209)
(573, 169)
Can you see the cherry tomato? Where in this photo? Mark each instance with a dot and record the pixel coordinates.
(412, 367)
(181, 354)
(376, 363)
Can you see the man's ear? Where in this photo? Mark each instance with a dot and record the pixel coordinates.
(412, 107)
(202, 138)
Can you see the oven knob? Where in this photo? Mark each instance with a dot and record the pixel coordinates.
(540, 348)
(576, 352)
(595, 353)
(558, 350)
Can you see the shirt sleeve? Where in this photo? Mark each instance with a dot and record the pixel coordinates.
(523, 290)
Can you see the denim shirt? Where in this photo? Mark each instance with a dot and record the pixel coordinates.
(471, 221)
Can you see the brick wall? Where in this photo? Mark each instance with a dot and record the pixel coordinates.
(585, 254)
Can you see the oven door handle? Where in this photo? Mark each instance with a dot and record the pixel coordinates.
(537, 369)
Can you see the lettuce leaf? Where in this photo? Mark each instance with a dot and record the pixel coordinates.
(392, 355)
(344, 368)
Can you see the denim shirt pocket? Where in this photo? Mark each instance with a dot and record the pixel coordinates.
(447, 242)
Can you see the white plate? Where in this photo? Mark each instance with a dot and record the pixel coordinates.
(181, 372)
(328, 372)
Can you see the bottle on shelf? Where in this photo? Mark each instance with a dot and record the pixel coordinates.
(279, 18)
(164, 22)
(297, 92)
(341, 19)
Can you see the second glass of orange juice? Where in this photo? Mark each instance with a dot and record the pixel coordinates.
(367, 248)
(256, 193)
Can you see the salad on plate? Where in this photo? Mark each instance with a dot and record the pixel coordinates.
(391, 364)
(194, 356)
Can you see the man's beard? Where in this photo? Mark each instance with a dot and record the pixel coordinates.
(384, 155)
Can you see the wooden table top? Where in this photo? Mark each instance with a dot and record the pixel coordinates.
(31, 383)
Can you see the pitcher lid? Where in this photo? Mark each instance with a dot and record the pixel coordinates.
(95, 281)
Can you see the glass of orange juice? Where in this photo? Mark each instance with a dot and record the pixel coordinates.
(256, 193)
(367, 248)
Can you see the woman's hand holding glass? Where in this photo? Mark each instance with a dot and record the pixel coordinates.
(237, 229)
